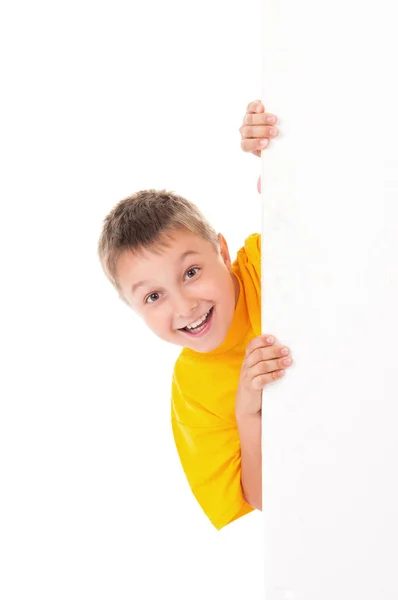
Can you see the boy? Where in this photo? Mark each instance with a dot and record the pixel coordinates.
(172, 268)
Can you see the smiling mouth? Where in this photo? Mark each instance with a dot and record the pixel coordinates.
(201, 326)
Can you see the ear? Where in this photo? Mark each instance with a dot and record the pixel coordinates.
(224, 250)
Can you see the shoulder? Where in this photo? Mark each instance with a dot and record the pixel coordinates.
(253, 244)
(250, 252)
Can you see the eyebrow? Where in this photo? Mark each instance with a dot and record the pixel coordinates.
(139, 284)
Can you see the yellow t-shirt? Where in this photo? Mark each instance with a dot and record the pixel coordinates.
(204, 388)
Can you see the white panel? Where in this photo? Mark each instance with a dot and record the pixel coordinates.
(330, 291)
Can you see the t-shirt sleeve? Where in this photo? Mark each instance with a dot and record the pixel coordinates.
(210, 457)
(249, 260)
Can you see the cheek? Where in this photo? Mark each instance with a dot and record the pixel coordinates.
(227, 283)
(224, 294)
(157, 319)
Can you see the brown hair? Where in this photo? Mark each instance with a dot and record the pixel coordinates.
(145, 219)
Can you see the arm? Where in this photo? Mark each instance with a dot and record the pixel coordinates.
(257, 129)
(263, 364)
(249, 427)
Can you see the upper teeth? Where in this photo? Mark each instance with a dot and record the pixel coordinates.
(198, 322)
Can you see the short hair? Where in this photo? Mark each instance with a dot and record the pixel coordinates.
(145, 220)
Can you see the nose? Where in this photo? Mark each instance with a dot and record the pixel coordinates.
(183, 306)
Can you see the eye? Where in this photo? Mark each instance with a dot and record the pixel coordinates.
(192, 269)
(150, 299)
(154, 296)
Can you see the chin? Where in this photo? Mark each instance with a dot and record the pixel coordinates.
(208, 345)
(208, 348)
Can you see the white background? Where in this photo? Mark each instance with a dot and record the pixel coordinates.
(99, 100)
(330, 284)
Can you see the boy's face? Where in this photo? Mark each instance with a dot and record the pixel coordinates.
(181, 284)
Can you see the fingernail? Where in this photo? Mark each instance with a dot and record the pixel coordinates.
(270, 339)
(273, 131)
(264, 142)
(271, 120)
(285, 351)
(287, 361)
(258, 108)
(281, 373)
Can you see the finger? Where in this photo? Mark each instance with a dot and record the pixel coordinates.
(259, 382)
(259, 342)
(258, 131)
(255, 107)
(265, 352)
(260, 119)
(266, 367)
(254, 146)
(268, 354)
